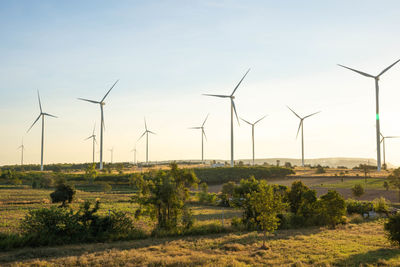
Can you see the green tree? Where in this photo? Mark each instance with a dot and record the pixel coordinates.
(267, 205)
(164, 196)
(381, 206)
(332, 208)
(394, 179)
(91, 172)
(297, 195)
(386, 185)
(357, 190)
(64, 193)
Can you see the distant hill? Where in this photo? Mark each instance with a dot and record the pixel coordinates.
(331, 162)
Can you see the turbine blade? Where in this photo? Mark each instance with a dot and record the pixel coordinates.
(94, 128)
(142, 135)
(88, 100)
(34, 122)
(298, 130)
(246, 121)
(204, 133)
(359, 72)
(385, 70)
(294, 113)
(88, 138)
(392, 136)
(40, 104)
(47, 114)
(194, 127)
(151, 132)
(145, 124)
(205, 120)
(234, 109)
(311, 114)
(234, 90)
(222, 96)
(260, 119)
(109, 91)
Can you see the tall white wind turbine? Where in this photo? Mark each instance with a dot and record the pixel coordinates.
(384, 146)
(42, 114)
(233, 110)
(146, 132)
(302, 133)
(376, 78)
(252, 132)
(203, 135)
(134, 154)
(22, 147)
(94, 141)
(101, 103)
(112, 154)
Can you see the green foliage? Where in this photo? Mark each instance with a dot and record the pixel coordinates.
(106, 187)
(392, 229)
(357, 190)
(300, 195)
(320, 169)
(358, 207)
(222, 175)
(205, 197)
(226, 195)
(394, 179)
(91, 173)
(381, 206)
(331, 208)
(54, 226)
(64, 193)
(386, 185)
(165, 195)
(266, 204)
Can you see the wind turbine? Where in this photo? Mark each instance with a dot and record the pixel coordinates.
(93, 136)
(101, 103)
(302, 133)
(22, 147)
(134, 154)
(112, 154)
(233, 109)
(378, 147)
(203, 134)
(252, 132)
(42, 114)
(384, 146)
(146, 132)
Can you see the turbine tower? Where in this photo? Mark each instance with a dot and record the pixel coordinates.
(376, 78)
(384, 146)
(22, 147)
(203, 134)
(146, 132)
(233, 110)
(42, 114)
(252, 132)
(101, 103)
(112, 154)
(302, 133)
(93, 137)
(134, 154)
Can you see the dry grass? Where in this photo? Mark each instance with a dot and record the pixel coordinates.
(351, 245)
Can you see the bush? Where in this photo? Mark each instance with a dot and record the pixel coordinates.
(392, 229)
(381, 206)
(358, 207)
(320, 169)
(106, 187)
(357, 190)
(64, 193)
(331, 208)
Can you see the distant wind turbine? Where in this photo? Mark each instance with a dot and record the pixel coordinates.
(378, 147)
(252, 132)
(302, 133)
(42, 114)
(384, 146)
(101, 103)
(93, 137)
(134, 154)
(233, 110)
(112, 154)
(146, 132)
(203, 134)
(22, 147)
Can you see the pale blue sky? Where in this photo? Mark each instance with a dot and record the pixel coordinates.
(167, 53)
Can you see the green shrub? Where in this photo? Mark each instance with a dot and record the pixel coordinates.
(381, 206)
(64, 193)
(358, 207)
(392, 229)
(331, 208)
(357, 190)
(356, 218)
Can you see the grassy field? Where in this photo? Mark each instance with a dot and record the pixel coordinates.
(351, 245)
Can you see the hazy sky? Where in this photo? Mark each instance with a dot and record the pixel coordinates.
(167, 53)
